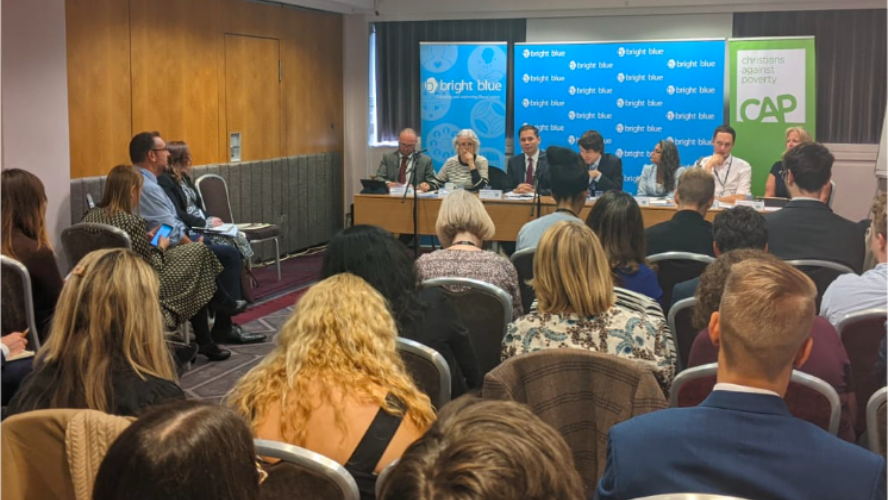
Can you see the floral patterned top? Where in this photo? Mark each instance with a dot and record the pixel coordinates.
(633, 328)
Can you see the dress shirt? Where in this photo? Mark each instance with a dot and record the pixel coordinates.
(593, 166)
(5, 350)
(732, 177)
(536, 164)
(408, 176)
(157, 208)
(723, 386)
(851, 293)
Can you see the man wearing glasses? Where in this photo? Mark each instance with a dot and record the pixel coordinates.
(733, 176)
(398, 167)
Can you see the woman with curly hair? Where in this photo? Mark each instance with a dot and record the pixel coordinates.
(335, 383)
(661, 177)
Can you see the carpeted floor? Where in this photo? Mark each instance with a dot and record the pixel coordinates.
(296, 272)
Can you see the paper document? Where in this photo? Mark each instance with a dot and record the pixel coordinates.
(225, 229)
(21, 355)
(512, 195)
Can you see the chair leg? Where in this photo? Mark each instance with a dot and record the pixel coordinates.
(277, 257)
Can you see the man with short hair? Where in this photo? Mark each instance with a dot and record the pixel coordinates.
(742, 441)
(806, 228)
(851, 293)
(399, 167)
(605, 169)
(733, 176)
(531, 167)
(688, 230)
(568, 188)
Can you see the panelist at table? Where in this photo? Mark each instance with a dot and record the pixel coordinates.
(661, 177)
(466, 169)
(398, 167)
(605, 169)
(733, 176)
(529, 166)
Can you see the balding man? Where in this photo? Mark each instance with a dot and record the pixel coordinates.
(398, 167)
(742, 441)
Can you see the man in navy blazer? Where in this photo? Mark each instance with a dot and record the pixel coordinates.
(531, 165)
(605, 169)
(742, 441)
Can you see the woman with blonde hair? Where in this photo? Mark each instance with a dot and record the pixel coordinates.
(106, 348)
(462, 226)
(579, 307)
(466, 169)
(335, 383)
(775, 187)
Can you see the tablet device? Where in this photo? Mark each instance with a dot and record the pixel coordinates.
(164, 232)
(374, 186)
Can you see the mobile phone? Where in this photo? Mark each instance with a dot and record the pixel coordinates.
(163, 232)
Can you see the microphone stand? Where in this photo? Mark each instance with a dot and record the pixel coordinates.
(415, 185)
(537, 198)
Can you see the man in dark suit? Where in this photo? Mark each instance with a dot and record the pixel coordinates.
(530, 166)
(742, 441)
(806, 228)
(398, 167)
(688, 230)
(605, 169)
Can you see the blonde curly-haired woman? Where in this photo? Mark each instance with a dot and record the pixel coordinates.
(335, 383)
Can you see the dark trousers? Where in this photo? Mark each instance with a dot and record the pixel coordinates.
(13, 374)
(229, 280)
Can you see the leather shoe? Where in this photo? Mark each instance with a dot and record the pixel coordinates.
(214, 353)
(239, 307)
(237, 335)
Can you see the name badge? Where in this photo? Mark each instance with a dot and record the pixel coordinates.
(758, 206)
(643, 201)
(491, 194)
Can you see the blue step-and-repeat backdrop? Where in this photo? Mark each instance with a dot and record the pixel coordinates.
(634, 93)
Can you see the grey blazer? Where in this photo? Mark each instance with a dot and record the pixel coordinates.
(391, 165)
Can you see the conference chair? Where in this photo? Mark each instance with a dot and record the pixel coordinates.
(682, 328)
(17, 301)
(821, 272)
(876, 416)
(85, 237)
(581, 394)
(832, 194)
(862, 333)
(676, 267)
(303, 474)
(428, 369)
(523, 262)
(808, 397)
(497, 178)
(213, 192)
(383, 477)
(689, 496)
(485, 310)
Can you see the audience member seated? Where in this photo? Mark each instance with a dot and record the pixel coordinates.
(616, 220)
(739, 227)
(828, 361)
(462, 226)
(688, 230)
(16, 370)
(425, 316)
(578, 307)
(335, 383)
(660, 178)
(486, 450)
(466, 169)
(776, 184)
(25, 240)
(182, 450)
(568, 183)
(806, 228)
(187, 271)
(742, 441)
(106, 350)
(851, 293)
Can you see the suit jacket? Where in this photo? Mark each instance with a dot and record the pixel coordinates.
(808, 229)
(740, 445)
(684, 290)
(687, 231)
(611, 168)
(390, 167)
(517, 168)
(177, 195)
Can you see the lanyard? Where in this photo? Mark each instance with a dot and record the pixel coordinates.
(566, 210)
(727, 174)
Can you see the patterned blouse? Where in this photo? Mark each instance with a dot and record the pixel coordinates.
(483, 266)
(633, 328)
(459, 173)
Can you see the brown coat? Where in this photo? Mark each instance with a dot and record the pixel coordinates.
(581, 394)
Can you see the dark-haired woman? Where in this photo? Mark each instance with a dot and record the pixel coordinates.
(661, 177)
(424, 316)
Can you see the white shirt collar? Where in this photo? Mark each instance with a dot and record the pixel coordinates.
(799, 198)
(535, 156)
(743, 388)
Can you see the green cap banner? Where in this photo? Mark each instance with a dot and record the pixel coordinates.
(772, 88)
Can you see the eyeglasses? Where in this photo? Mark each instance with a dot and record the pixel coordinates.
(263, 475)
(407, 146)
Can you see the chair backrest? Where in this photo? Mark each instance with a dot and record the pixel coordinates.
(832, 193)
(383, 476)
(497, 178)
(862, 333)
(429, 370)
(675, 267)
(876, 416)
(213, 192)
(89, 201)
(821, 272)
(485, 310)
(683, 331)
(304, 473)
(523, 262)
(689, 496)
(17, 301)
(807, 397)
(85, 237)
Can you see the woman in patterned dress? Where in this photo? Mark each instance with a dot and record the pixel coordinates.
(578, 307)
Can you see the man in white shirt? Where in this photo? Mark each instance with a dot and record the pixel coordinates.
(733, 176)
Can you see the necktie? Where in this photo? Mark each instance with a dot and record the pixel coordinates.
(528, 175)
(402, 174)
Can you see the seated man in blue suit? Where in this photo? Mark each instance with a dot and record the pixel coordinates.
(742, 440)
(531, 167)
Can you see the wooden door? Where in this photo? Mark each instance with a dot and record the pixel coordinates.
(253, 95)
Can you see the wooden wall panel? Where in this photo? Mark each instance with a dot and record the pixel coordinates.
(99, 102)
(254, 19)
